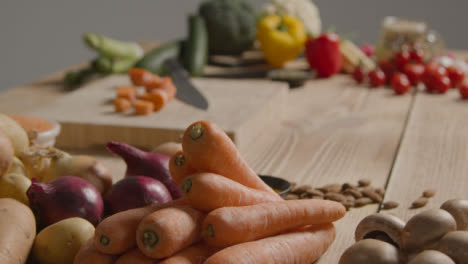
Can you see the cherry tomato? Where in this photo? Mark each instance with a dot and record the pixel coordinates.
(456, 75)
(414, 72)
(377, 78)
(402, 58)
(441, 84)
(417, 55)
(400, 83)
(432, 75)
(358, 74)
(463, 89)
(387, 67)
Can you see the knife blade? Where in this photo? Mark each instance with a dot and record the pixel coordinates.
(186, 91)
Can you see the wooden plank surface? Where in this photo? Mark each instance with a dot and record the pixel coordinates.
(433, 153)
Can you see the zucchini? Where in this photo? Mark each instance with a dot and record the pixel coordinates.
(113, 48)
(196, 48)
(153, 60)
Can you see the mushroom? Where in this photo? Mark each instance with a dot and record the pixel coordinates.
(431, 257)
(455, 245)
(370, 251)
(384, 227)
(425, 229)
(459, 210)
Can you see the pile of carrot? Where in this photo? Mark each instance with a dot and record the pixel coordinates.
(157, 92)
(227, 215)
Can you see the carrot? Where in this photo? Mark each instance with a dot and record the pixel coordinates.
(135, 256)
(156, 84)
(141, 77)
(17, 229)
(116, 233)
(127, 92)
(159, 98)
(122, 104)
(89, 254)
(168, 148)
(207, 148)
(145, 97)
(223, 227)
(169, 87)
(302, 246)
(195, 254)
(143, 107)
(164, 232)
(208, 191)
(179, 168)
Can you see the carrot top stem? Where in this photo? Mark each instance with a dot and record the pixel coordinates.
(104, 240)
(186, 185)
(179, 160)
(150, 238)
(196, 131)
(208, 232)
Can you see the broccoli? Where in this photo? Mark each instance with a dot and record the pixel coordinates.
(231, 25)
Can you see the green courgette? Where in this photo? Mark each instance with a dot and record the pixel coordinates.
(108, 65)
(196, 48)
(112, 48)
(153, 60)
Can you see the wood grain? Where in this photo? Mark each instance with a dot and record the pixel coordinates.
(243, 108)
(433, 154)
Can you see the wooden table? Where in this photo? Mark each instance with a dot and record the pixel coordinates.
(335, 132)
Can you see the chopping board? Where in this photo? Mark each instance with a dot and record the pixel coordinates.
(243, 108)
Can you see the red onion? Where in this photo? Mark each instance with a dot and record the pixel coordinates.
(63, 198)
(141, 163)
(134, 192)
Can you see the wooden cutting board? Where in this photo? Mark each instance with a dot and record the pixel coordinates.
(243, 108)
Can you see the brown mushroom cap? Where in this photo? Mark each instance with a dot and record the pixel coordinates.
(425, 229)
(455, 245)
(431, 257)
(370, 251)
(385, 227)
(459, 210)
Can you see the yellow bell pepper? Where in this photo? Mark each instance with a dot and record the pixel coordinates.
(281, 38)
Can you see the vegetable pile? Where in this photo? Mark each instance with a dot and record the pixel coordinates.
(221, 216)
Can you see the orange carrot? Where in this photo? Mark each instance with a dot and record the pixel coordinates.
(143, 107)
(135, 256)
(179, 168)
(208, 191)
(159, 98)
(122, 104)
(145, 97)
(223, 227)
(302, 246)
(207, 148)
(127, 92)
(141, 77)
(156, 84)
(195, 254)
(165, 232)
(169, 87)
(89, 254)
(116, 233)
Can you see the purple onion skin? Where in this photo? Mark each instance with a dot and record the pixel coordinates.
(134, 192)
(63, 198)
(147, 164)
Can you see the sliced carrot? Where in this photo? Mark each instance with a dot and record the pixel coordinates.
(159, 99)
(208, 191)
(116, 233)
(89, 254)
(169, 230)
(145, 97)
(169, 87)
(143, 107)
(179, 167)
(127, 92)
(223, 227)
(122, 104)
(302, 246)
(207, 148)
(135, 256)
(195, 254)
(141, 77)
(156, 84)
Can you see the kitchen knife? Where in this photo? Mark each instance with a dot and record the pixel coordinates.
(186, 91)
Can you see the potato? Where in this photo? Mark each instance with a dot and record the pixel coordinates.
(14, 185)
(18, 137)
(6, 153)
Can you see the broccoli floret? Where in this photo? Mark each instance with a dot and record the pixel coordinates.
(231, 25)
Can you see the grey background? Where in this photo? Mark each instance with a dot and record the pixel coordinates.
(42, 36)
